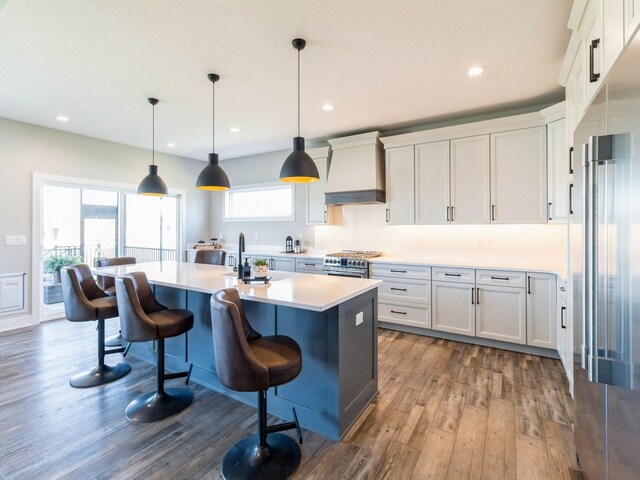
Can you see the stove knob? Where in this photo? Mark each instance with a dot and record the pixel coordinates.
(361, 263)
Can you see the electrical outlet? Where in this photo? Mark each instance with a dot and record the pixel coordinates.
(359, 318)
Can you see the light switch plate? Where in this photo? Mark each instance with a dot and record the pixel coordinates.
(359, 318)
(15, 240)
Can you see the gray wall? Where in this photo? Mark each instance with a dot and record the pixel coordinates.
(26, 149)
(254, 169)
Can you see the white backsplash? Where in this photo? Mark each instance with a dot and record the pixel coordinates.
(364, 228)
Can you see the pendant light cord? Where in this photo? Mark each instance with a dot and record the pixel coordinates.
(213, 116)
(153, 134)
(298, 92)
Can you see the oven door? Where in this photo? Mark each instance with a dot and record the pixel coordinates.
(347, 272)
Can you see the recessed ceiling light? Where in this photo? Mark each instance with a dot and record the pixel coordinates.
(327, 107)
(475, 71)
(171, 144)
(234, 129)
(62, 118)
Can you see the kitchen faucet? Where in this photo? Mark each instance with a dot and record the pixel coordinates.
(240, 250)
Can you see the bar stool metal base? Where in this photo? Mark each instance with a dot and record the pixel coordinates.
(247, 460)
(114, 341)
(151, 407)
(99, 375)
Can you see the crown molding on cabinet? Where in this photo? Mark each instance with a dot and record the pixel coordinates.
(514, 122)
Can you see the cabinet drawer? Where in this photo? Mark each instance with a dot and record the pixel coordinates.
(398, 290)
(460, 275)
(404, 315)
(309, 265)
(419, 272)
(501, 278)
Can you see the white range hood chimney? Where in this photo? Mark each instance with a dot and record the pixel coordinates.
(356, 173)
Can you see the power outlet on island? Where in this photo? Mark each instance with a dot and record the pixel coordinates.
(359, 318)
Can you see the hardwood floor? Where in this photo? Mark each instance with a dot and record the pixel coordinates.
(446, 410)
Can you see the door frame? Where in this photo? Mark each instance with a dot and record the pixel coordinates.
(39, 182)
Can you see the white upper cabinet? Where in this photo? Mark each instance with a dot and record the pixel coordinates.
(399, 167)
(631, 18)
(558, 162)
(432, 200)
(317, 212)
(519, 176)
(612, 32)
(470, 180)
(592, 50)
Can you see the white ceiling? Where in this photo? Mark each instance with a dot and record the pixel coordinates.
(382, 63)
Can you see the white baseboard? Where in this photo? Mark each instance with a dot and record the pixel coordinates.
(16, 322)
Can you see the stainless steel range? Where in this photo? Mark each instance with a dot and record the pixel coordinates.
(349, 263)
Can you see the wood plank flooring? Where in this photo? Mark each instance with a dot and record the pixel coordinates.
(445, 410)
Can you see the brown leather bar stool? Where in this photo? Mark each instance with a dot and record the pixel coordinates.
(211, 257)
(83, 302)
(143, 319)
(108, 286)
(248, 362)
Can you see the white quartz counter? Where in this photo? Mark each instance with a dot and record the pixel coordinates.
(298, 290)
(530, 265)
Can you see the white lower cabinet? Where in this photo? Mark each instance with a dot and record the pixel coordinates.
(405, 294)
(453, 308)
(309, 265)
(564, 332)
(541, 310)
(501, 313)
(283, 264)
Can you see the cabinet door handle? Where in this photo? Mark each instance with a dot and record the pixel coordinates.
(499, 278)
(387, 215)
(447, 214)
(478, 296)
(399, 313)
(529, 285)
(325, 216)
(398, 271)
(571, 199)
(272, 264)
(399, 289)
(309, 264)
(562, 317)
(453, 214)
(472, 302)
(570, 160)
(593, 76)
(549, 211)
(447, 274)
(493, 213)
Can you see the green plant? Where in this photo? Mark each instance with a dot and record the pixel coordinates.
(55, 262)
(260, 262)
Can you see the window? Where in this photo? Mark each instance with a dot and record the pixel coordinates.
(274, 201)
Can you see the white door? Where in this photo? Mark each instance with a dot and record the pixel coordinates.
(519, 176)
(631, 17)
(432, 183)
(470, 180)
(399, 181)
(558, 163)
(541, 310)
(501, 314)
(453, 308)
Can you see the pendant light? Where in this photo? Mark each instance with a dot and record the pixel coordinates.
(299, 167)
(212, 177)
(152, 184)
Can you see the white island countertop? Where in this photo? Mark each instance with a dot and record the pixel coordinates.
(298, 290)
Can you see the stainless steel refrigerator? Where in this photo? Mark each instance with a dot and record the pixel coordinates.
(605, 265)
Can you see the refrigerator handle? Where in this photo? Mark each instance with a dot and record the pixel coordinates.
(586, 258)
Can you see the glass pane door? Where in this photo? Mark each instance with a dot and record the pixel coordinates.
(151, 228)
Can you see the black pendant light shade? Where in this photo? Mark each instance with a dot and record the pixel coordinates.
(212, 177)
(152, 184)
(299, 167)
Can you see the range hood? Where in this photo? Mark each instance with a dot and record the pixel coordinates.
(356, 173)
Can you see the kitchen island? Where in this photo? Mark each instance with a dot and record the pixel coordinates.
(333, 319)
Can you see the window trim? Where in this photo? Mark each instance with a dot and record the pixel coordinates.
(258, 186)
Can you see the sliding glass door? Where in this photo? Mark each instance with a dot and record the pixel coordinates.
(83, 223)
